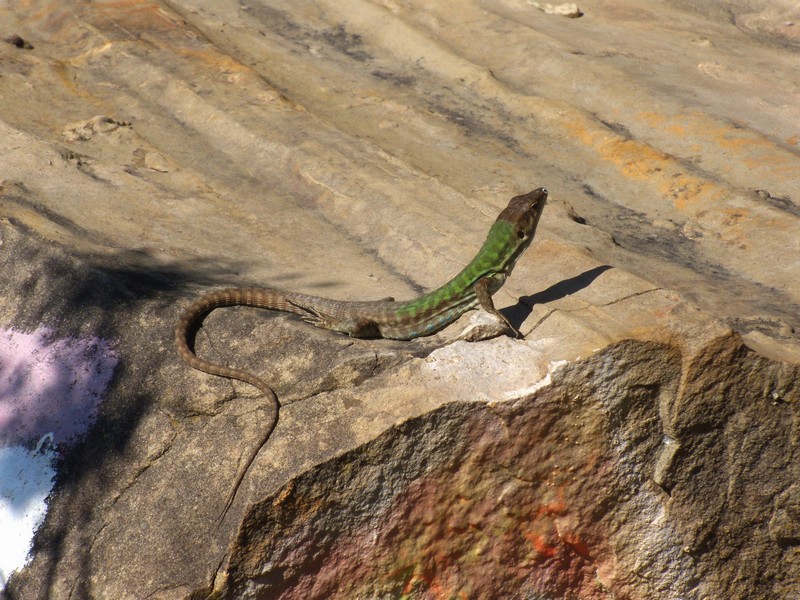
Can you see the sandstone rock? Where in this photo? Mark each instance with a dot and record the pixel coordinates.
(641, 441)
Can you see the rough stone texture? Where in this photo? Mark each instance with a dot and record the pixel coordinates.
(641, 442)
(521, 499)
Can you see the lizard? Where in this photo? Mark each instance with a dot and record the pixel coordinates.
(509, 236)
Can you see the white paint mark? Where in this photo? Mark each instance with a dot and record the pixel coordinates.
(50, 392)
(26, 478)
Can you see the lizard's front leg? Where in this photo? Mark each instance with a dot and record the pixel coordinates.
(484, 295)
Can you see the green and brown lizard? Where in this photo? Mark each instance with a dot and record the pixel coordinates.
(508, 238)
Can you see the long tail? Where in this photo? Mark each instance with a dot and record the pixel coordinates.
(195, 312)
(199, 309)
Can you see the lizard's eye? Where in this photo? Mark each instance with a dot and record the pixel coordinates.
(521, 234)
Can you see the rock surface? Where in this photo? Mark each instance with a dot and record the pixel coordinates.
(640, 442)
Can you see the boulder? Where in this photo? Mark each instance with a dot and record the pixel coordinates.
(640, 441)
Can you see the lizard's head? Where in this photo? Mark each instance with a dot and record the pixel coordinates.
(523, 212)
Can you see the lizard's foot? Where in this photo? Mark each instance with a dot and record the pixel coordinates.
(484, 326)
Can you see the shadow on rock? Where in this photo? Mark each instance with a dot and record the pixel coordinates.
(87, 335)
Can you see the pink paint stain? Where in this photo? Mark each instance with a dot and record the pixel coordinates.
(50, 384)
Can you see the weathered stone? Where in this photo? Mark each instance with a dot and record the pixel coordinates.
(641, 441)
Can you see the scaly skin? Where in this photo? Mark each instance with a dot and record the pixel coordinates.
(511, 234)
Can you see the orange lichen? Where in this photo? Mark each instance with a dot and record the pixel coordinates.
(747, 147)
(639, 161)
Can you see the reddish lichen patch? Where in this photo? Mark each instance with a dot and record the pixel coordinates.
(499, 514)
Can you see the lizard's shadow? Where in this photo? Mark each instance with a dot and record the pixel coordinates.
(521, 310)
